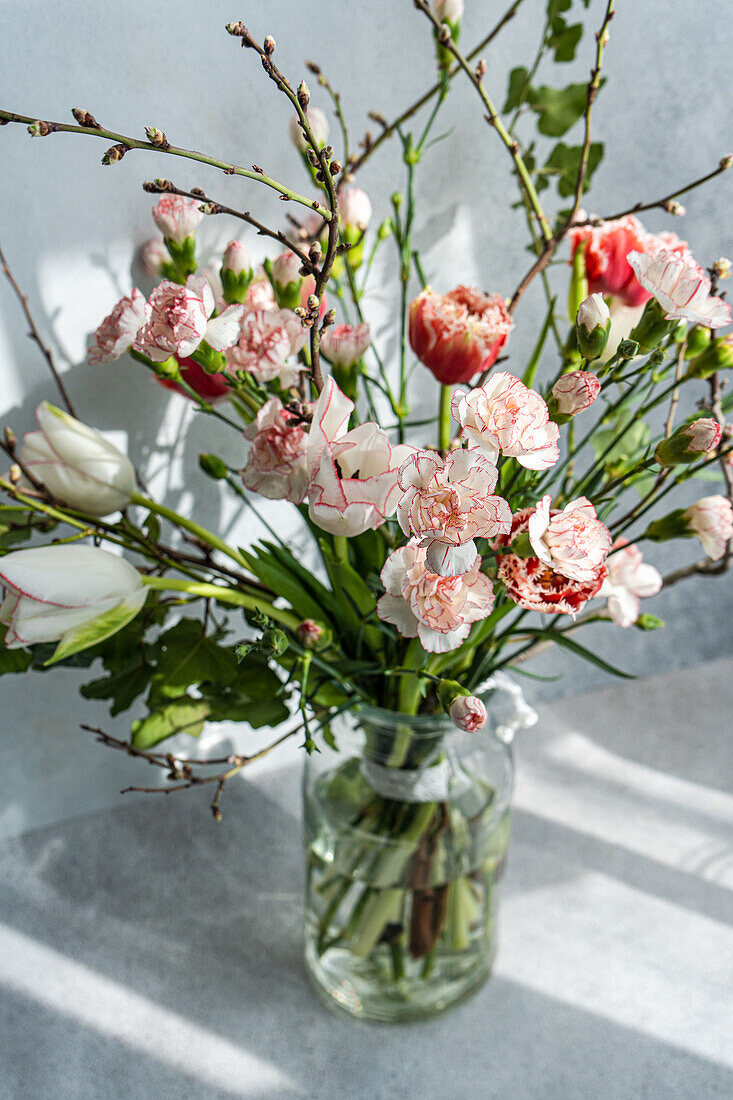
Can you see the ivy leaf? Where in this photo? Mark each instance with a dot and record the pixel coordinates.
(184, 715)
(122, 687)
(517, 88)
(555, 7)
(186, 657)
(564, 162)
(558, 108)
(564, 39)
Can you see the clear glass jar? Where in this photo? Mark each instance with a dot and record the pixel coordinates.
(406, 829)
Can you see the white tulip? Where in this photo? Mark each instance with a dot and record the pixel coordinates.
(77, 465)
(76, 595)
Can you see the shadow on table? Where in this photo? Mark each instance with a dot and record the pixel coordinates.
(151, 952)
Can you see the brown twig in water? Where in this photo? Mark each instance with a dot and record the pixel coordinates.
(35, 334)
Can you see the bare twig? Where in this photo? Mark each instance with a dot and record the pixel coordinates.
(35, 334)
(181, 768)
(638, 207)
(123, 142)
(716, 405)
(593, 85)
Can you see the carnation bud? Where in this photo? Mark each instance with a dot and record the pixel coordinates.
(156, 259)
(710, 519)
(313, 635)
(689, 442)
(648, 622)
(574, 392)
(593, 324)
(628, 349)
(236, 272)
(652, 328)
(213, 466)
(717, 356)
(466, 711)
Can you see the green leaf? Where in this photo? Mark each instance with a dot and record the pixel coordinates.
(91, 633)
(122, 687)
(277, 568)
(555, 7)
(579, 650)
(355, 601)
(13, 660)
(564, 39)
(517, 89)
(564, 162)
(558, 108)
(186, 656)
(630, 443)
(184, 715)
(257, 713)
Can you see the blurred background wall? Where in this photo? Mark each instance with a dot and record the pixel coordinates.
(70, 229)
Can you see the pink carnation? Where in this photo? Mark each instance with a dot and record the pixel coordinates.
(448, 503)
(506, 416)
(573, 541)
(179, 321)
(343, 345)
(276, 466)
(575, 392)
(118, 330)
(607, 247)
(534, 585)
(267, 341)
(260, 294)
(177, 217)
(153, 254)
(681, 287)
(236, 258)
(437, 610)
(629, 580)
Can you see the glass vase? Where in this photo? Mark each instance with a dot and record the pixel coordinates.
(406, 830)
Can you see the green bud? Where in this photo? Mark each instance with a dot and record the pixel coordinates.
(698, 339)
(628, 349)
(447, 691)
(275, 641)
(657, 357)
(183, 254)
(718, 355)
(673, 526)
(648, 622)
(386, 228)
(213, 362)
(214, 466)
(653, 327)
(169, 370)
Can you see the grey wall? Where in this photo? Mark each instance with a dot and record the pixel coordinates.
(70, 228)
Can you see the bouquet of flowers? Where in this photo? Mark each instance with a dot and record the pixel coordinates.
(514, 510)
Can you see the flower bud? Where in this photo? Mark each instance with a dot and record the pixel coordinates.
(313, 635)
(355, 209)
(114, 154)
(652, 328)
(648, 622)
(214, 466)
(698, 338)
(575, 392)
(156, 137)
(468, 713)
(156, 259)
(718, 355)
(304, 94)
(593, 324)
(285, 271)
(76, 464)
(236, 272)
(676, 209)
(319, 128)
(689, 442)
(177, 217)
(726, 162)
(268, 45)
(709, 519)
(722, 268)
(275, 641)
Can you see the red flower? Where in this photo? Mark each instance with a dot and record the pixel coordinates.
(606, 250)
(460, 334)
(210, 387)
(536, 587)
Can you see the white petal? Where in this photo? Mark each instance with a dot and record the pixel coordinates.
(450, 561)
(223, 331)
(395, 610)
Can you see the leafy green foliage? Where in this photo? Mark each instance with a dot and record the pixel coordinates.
(18, 525)
(564, 163)
(558, 108)
(184, 715)
(12, 660)
(564, 39)
(518, 82)
(622, 446)
(278, 568)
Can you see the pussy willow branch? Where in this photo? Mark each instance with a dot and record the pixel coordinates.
(370, 146)
(639, 207)
(170, 150)
(181, 768)
(238, 30)
(593, 85)
(35, 334)
(493, 119)
(159, 187)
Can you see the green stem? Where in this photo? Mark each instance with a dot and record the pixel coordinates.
(445, 418)
(218, 592)
(341, 548)
(193, 528)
